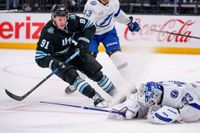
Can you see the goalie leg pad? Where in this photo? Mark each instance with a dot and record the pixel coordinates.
(165, 115)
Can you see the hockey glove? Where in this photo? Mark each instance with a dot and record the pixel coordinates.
(59, 64)
(130, 109)
(133, 25)
(163, 115)
(83, 47)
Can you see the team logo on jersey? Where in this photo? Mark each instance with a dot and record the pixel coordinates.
(72, 16)
(174, 94)
(93, 3)
(50, 30)
(105, 22)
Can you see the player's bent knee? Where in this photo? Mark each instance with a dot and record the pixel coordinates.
(118, 59)
(113, 51)
(70, 75)
(97, 76)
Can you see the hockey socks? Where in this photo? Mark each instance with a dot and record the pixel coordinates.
(106, 85)
(84, 88)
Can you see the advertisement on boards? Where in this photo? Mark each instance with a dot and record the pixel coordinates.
(22, 30)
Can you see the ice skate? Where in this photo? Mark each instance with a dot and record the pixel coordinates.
(99, 101)
(70, 89)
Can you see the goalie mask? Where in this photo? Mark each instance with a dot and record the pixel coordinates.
(150, 93)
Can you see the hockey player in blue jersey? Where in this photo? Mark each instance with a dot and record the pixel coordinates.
(163, 102)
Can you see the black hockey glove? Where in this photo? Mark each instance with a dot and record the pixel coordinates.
(83, 47)
(59, 64)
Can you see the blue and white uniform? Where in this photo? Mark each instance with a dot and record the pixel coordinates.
(179, 101)
(104, 17)
(182, 96)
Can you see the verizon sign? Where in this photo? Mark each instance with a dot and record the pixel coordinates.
(15, 30)
(21, 27)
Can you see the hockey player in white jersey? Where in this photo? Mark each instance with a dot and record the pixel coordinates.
(104, 13)
(163, 103)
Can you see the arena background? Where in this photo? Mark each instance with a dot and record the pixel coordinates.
(177, 58)
(21, 28)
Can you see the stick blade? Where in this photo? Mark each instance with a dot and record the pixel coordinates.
(13, 96)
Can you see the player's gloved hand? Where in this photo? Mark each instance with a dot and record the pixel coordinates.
(130, 109)
(163, 115)
(59, 64)
(133, 25)
(83, 48)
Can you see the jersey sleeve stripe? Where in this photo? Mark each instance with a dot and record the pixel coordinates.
(117, 13)
(39, 57)
(84, 39)
(40, 52)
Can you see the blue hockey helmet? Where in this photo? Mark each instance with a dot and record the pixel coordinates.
(150, 93)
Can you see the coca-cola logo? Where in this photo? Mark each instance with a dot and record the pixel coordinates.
(14, 30)
(173, 25)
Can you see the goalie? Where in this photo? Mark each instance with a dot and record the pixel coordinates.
(163, 102)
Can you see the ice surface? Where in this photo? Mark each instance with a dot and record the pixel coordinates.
(19, 73)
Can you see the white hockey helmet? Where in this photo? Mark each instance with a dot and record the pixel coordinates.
(150, 93)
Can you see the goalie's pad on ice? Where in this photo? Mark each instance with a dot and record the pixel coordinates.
(163, 115)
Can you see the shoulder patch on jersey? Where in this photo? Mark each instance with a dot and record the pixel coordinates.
(174, 94)
(93, 3)
(50, 30)
(72, 16)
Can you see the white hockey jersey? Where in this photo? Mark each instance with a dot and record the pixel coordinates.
(183, 96)
(104, 16)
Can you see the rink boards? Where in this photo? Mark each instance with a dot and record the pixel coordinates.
(22, 30)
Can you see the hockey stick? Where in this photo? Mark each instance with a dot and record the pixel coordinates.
(20, 98)
(84, 107)
(160, 31)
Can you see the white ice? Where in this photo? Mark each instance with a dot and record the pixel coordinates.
(19, 73)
